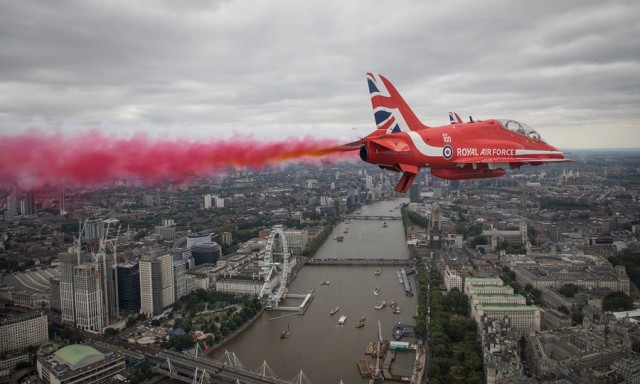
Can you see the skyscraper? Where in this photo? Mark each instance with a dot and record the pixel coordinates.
(179, 278)
(156, 283)
(28, 204)
(12, 205)
(61, 202)
(88, 297)
(414, 193)
(129, 287)
(106, 267)
(67, 298)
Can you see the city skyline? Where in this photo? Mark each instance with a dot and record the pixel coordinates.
(202, 71)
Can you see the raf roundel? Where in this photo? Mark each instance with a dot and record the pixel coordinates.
(447, 152)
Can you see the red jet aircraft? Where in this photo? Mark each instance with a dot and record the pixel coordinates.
(473, 150)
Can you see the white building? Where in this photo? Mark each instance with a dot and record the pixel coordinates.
(297, 240)
(213, 201)
(452, 280)
(523, 318)
(67, 299)
(488, 290)
(23, 331)
(89, 303)
(481, 281)
(244, 284)
(218, 201)
(156, 283)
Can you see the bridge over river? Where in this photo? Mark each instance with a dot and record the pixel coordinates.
(372, 217)
(203, 370)
(357, 261)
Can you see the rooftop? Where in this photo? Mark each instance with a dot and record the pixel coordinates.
(78, 355)
(507, 307)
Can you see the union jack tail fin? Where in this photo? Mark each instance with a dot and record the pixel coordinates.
(391, 112)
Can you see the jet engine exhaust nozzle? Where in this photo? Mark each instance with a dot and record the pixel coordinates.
(364, 153)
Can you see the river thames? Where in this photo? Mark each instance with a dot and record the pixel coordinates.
(323, 350)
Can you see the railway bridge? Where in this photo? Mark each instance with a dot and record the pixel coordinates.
(202, 370)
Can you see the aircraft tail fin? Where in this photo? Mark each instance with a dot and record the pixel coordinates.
(391, 112)
(454, 118)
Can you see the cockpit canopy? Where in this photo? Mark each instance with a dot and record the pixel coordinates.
(521, 128)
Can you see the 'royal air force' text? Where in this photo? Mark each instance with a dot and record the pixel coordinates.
(485, 152)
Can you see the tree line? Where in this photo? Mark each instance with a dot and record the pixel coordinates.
(455, 349)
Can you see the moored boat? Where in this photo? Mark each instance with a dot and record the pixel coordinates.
(377, 272)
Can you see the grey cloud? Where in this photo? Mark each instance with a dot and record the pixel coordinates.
(282, 68)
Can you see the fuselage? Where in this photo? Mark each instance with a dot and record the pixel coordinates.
(478, 145)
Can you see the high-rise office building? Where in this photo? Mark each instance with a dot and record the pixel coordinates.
(156, 283)
(61, 202)
(179, 278)
(67, 298)
(129, 287)
(88, 297)
(54, 293)
(12, 205)
(28, 204)
(414, 193)
(106, 266)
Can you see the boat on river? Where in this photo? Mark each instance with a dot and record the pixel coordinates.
(380, 305)
(377, 272)
(360, 324)
(342, 320)
(376, 291)
(325, 282)
(334, 310)
(285, 333)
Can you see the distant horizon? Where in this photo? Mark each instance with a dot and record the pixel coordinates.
(600, 149)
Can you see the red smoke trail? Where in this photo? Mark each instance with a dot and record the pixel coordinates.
(91, 158)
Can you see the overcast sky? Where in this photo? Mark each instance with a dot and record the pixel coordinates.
(277, 69)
